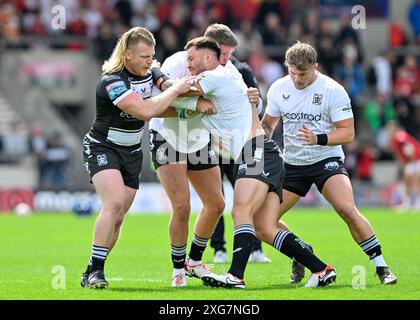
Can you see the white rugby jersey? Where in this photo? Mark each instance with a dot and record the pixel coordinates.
(184, 135)
(232, 123)
(317, 106)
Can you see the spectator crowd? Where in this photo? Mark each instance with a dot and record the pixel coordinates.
(383, 89)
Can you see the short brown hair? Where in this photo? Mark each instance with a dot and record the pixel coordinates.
(204, 43)
(301, 55)
(222, 34)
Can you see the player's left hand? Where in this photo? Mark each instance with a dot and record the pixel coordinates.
(307, 136)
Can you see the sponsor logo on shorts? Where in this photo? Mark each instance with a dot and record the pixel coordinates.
(332, 166)
(242, 168)
(265, 174)
(102, 160)
(161, 155)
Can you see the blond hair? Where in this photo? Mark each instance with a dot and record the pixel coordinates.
(128, 40)
(301, 55)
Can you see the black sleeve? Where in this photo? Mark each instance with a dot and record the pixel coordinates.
(111, 87)
(246, 72)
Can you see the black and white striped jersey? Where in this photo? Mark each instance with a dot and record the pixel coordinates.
(111, 122)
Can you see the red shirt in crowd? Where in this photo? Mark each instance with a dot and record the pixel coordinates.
(405, 146)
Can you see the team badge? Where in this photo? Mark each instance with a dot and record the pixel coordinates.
(317, 99)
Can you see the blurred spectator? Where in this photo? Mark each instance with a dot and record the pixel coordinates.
(351, 76)
(34, 24)
(382, 67)
(378, 112)
(397, 36)
(327, 52)
(273, 32)
(407, 78)
(77, 26)
(348, 36)
(365, 160)
(311, 23)
(280, 7)
(406, 115)
(295, 32)
(105, 42)
(241, 10)
(407, 150)
(15, 143)
(92, 17)
(414, 18)
(9, 22)
(271, 70)
(124, 9)
(248, 38)
(169, 43)
(38, 146)
(56, 161)
(146, 17)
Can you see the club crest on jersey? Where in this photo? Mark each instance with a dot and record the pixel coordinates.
(102, 160)
(317, 99)
(331, 166)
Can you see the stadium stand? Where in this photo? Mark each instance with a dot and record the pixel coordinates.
(57, 68)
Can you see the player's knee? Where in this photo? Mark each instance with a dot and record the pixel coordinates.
(217, 206)
(181, 210)
(114, 207)
(347, 211)
(241, 211)
(261, 233)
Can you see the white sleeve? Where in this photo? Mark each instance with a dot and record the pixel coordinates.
(340, 106)
(209, 81)
(175, 66)
(187, 103)
(273, 108)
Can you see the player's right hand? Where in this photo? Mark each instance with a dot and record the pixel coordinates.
(183, 85)
(206, 107)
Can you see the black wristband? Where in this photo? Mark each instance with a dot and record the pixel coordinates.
(157, 74)
(322, 139)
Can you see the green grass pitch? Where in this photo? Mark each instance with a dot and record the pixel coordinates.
(140, 268)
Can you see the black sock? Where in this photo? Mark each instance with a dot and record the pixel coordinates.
(97, 259)
(371, 247)
(198, 246)
(290, 245)
(243, 241)
(178, 256)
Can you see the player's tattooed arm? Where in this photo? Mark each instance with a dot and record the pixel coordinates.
(268, 130)
(269, 123)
